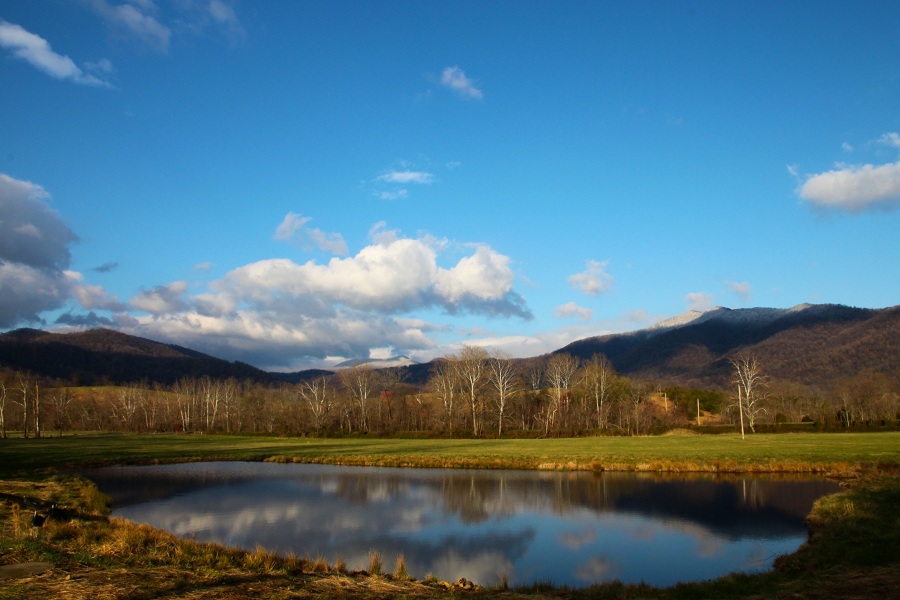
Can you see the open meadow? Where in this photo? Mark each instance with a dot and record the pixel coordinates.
(81, 553)
(798, 452)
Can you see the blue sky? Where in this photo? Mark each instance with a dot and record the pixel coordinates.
(295, 183)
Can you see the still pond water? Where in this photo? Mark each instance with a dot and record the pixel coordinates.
(567, 528)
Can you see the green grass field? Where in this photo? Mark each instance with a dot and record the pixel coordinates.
(798, 452)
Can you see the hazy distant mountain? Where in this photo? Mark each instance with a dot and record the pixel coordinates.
(808, 344)
(107, 356)
(378, 363)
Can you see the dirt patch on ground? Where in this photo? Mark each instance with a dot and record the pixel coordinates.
(20, 570)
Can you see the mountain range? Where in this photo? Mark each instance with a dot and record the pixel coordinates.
(810, 344)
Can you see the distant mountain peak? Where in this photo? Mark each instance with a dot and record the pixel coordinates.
(678, 320)
(745, 316)
(804, 343)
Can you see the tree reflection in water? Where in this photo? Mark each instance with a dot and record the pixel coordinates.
(572, 528)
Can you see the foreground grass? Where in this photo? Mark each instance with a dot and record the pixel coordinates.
(852, 551)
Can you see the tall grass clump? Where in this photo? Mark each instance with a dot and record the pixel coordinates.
(320, 565)
(91, 499)
(293, 564)
(262, 559)
(340, 565)
(375, 564)
(400, 571)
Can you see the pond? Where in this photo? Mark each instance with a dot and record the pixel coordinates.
(568, 528)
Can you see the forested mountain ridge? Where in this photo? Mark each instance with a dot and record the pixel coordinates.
(106, 356)
(806, 344)
(812, 345)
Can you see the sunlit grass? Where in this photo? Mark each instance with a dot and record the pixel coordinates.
(796, 452)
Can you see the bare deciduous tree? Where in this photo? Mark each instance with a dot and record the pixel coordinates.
(751, 389)
(471, 362)
(185, 396)
(445, 381)
(360, 381)
(60, 401)
(599, 378)
(503, 376)
(319, 398)
(561, 370)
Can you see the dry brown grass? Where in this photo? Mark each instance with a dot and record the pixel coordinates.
(375, 562)
(320, 565)
(400, 571)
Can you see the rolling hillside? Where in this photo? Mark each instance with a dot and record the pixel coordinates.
(106, 356)
(807, 344)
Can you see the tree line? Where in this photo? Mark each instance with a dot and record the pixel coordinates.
(473, 392)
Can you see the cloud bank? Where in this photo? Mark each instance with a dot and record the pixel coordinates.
(279, 312)
(34, 253)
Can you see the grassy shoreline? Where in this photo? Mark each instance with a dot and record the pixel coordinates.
(95, 557)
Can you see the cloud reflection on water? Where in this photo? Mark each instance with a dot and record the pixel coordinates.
(569, 528)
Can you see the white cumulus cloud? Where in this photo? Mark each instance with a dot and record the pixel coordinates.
(455, 79)
(593, 280)
(390, 276)
(570, 310)
(94, 296)
(162, 299)
(855, 188)
(37, 52)
(276, 311)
